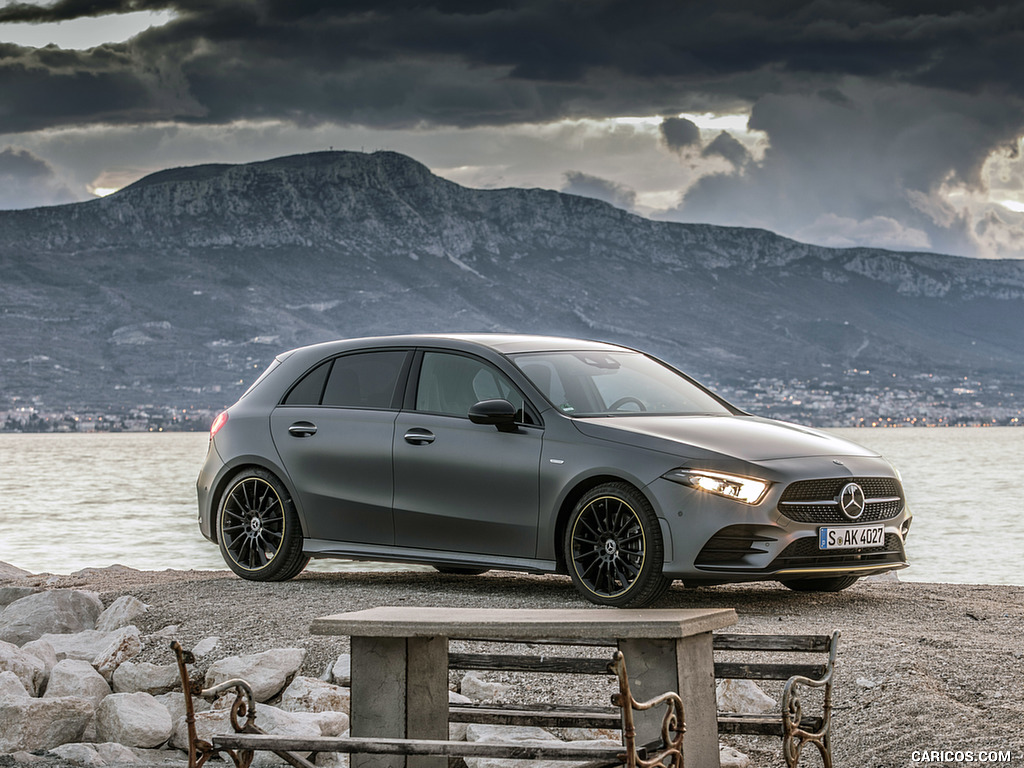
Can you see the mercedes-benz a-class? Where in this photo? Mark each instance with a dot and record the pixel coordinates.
(538, 454)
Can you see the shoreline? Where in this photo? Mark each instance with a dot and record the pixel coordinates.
(922, 667)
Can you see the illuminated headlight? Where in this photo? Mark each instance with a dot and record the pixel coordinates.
(745, 489)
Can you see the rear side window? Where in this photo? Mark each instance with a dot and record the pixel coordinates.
(364, 380)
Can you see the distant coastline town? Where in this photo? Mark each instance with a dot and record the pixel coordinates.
(859, 400)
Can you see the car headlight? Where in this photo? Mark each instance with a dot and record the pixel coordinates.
(745, 489)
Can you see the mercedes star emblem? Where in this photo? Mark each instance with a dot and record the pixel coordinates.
(851, 500)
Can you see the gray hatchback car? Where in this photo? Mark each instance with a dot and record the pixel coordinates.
(537, 454)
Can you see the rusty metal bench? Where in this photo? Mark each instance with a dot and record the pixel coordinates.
(248, 738)
(795, 728)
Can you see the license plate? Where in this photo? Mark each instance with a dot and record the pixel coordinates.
(851, 537)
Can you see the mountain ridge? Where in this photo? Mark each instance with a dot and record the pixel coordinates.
(177, 287)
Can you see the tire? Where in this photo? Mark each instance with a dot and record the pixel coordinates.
(258, 529)
(828, 584)
(458, 570)
(613, 548)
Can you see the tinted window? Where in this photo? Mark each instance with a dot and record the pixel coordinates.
(365, 380)
(310, 387)
(451, 384)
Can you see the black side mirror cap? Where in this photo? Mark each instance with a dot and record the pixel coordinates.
(498, 413)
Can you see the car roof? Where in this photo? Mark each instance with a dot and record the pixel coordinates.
(502, 343)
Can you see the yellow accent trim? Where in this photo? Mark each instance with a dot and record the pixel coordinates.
(844, 569)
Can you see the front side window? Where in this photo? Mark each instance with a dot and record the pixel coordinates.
(614, 384)
(363, 380)
(451, 384)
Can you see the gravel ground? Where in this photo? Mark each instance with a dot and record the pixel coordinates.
(923, 667)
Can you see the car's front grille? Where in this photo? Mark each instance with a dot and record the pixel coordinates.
(804, 553)
(817, 501)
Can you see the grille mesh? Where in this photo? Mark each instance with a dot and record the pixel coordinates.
(803, 493)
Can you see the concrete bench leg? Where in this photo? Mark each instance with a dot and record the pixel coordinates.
(686, 666)
(399, 690)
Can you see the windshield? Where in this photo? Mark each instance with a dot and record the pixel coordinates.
(614, 384)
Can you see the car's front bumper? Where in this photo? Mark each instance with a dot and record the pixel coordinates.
(716, 539)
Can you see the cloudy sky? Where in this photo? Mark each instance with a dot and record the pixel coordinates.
(837, 122)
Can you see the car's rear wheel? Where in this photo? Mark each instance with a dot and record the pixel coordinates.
(613, 548)
(258, 529)
(828, 584)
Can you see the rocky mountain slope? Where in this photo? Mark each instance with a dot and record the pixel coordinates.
(178, 289)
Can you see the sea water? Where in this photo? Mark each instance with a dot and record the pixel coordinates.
(71, 501)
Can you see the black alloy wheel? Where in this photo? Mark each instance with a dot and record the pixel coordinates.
(258, 529)
(613, 548)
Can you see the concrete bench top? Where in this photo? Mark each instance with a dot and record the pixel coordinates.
(515, 624)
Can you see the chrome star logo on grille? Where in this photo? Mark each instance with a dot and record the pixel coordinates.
(851, 500)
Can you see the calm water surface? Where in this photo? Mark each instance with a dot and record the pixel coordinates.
(79, 500)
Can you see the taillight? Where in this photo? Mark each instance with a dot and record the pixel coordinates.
(220, 421)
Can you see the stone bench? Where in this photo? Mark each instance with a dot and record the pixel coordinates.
(248, 738)
(795, 728)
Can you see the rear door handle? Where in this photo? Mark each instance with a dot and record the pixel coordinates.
(417, 436)
(302, 429)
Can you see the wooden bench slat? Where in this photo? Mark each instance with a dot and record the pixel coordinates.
(760, 725)
(793, 643)
(737, 670)
(541, 717)
(385, 746)
(519, 663)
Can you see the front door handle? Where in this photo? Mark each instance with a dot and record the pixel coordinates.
(417, 436)
(302, 429)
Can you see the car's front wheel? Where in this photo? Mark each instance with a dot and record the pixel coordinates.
(827, 584)
(258, 529)
(613, 548)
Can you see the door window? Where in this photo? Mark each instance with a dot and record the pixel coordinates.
(365, 380)
(451, 384)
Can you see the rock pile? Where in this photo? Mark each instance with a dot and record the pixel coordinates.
(69, 685)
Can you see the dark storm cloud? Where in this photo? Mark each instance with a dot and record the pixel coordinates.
(27, 181)
(406, 62)
(679, 133)
(585, 185)
(727, 147)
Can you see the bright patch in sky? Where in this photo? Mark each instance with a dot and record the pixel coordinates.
(84, 33)
(1013, 205)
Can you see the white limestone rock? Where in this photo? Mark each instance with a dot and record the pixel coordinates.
(43, 651)
(12, 687)
(84, 645)
(341, 672)
(268, 673)
(133, 719)
(155, 679)
(518, 734)
(175, 703)
(10, 572)
(308, 694)
(9, 594)
(732, 758)
(53, 611)
(205, 647)
(33, 724)
(270, 719)
(743, 696)
(74, 677)
(123, 644)
(29, 668)
(121, 613)
(478, 689)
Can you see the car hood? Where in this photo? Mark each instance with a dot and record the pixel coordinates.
(749, 438)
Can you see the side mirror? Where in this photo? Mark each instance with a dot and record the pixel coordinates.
(499, 413)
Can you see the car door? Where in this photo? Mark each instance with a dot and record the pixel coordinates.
(334, 431)
(460, 486)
